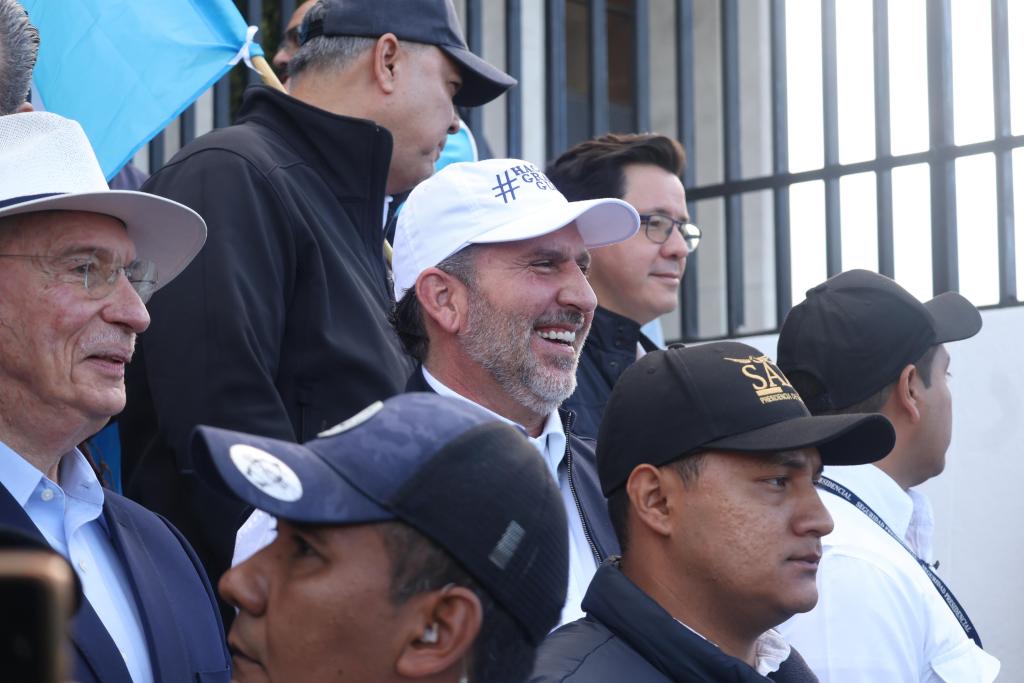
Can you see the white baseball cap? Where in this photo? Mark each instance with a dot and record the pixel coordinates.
(47, 164)
(497, 200)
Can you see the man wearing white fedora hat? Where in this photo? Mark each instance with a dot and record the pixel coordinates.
(77, 264)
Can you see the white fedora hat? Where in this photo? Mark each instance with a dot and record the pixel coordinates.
(47, 164)
(497, 200)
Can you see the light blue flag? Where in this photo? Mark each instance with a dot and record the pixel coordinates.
(124, 69)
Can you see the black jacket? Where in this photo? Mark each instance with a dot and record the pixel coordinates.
(279, 327)
(609, 350)
(581, 471)
(626, 636)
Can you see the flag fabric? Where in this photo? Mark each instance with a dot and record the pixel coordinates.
(124, 69)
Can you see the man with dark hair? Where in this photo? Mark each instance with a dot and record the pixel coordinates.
(420, 540)
(709, 459)
(493, 301)
(860, 342)
(290, 41)
(636, 280)
(281, 326)
(19, 47)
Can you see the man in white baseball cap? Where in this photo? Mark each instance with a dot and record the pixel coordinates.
(490, 269)
(77, 263)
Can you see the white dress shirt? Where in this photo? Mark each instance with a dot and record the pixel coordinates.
(879, 617)
(259, 530)
(69, 515)
(770, 649)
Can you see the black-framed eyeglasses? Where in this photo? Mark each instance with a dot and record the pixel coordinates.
(96, 272)
(658, 228)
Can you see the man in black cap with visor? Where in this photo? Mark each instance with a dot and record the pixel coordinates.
(420, 540)
(862, 343)
(709, 460)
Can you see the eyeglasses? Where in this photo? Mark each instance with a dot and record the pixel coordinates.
(658, 229)
(96, 272)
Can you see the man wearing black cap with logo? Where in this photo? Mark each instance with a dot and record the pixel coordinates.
(280, 328)
(708, 458)
(861, 343)
(420, 540)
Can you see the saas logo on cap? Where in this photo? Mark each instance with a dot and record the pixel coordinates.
(515, 177)
(766, 379)
(266, 472)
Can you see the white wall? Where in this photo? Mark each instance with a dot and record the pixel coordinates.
(979, 499)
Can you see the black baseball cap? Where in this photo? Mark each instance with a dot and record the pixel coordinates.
(722, 396)
(432, 22)
(855, 332)
(470, 483)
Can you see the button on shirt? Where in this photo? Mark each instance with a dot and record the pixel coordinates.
(70, 518)
(879, 617)
(552, 445)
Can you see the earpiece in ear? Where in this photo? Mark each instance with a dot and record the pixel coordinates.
(430, 634)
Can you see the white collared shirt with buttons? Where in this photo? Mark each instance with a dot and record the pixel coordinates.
(69, 515)
(879, 617)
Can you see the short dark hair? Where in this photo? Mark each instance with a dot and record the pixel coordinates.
(502, 652)
(407, 315)
(687, 467)
(595, 168)
(19, 47)
(808, 386)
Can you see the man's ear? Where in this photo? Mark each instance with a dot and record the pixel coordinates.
(443, 299)
(906, 393)
(445, 626)
(648, 491)
(385, 57)
(24, 107)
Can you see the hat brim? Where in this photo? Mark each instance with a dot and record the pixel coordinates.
(854, 439)
(600, 221)
(481, 81)
(326, 497)
(954, 317)
(163, 231)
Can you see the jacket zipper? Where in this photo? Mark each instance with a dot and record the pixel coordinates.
(575, 494)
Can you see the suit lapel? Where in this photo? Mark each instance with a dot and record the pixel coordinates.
(167, 650)
(94, 645)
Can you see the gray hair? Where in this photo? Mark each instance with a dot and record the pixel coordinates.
(19, 45)
(326, 52)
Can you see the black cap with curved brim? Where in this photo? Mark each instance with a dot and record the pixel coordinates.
(722, 396)
(855, 332)
(432, 22)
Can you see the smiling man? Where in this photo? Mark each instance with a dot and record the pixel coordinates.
(638, 279)
(709, 460)
(493, 301)
(375, 575)
(78, 263)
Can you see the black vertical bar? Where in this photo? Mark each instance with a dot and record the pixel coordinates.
(475, 41)
(222, 102)
(187, 125)
(254, 17)
(514, 67)
(598, 67)
(156, 153)
(1004, 159)
(830, 113)
(287, 10)
(556, 91)
(731, 152)
(943, 170)
(780, 162)
(883, 139)
(642, 64)
(685, 128)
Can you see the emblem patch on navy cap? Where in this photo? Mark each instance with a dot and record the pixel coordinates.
(266, 472)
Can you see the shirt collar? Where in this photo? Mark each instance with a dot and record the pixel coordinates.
(770, 649)
(18, 475)
(77, 478)
(879, 491)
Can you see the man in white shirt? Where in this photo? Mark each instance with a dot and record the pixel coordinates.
(490, 270)
(861, 343)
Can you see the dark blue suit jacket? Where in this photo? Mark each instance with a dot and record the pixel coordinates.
(174, 598)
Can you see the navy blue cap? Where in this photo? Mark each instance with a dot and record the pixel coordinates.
(432, 22)
(470, 483)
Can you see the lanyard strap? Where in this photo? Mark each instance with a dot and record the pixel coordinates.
(958, 611)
